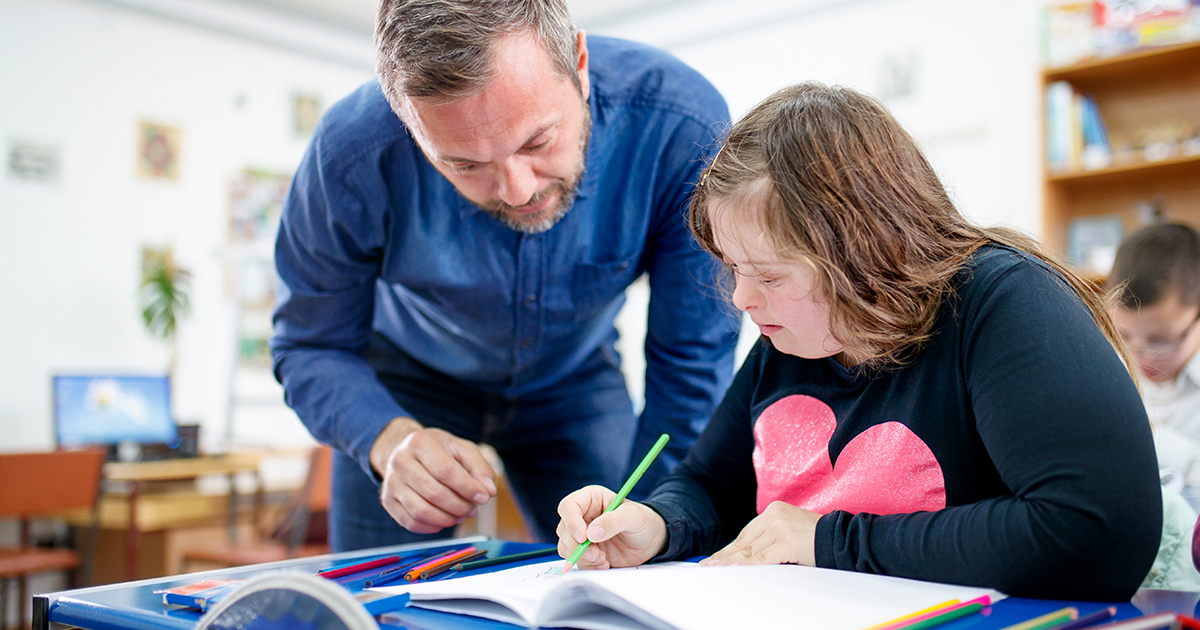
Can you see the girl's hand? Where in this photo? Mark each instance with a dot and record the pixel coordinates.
(782, 534)
(627, 536)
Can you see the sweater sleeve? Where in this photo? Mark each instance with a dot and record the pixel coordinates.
(1064, 426)
(710, 497)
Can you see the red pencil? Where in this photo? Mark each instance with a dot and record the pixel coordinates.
(1188, 622)
(338, 572)
(416, 571)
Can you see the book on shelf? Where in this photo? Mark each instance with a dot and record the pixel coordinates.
(1076, 138)
(681, 595)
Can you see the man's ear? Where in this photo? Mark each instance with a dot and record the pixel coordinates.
(581, 64)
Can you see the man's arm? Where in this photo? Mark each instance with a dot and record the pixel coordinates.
(691, 329)
(328, 250)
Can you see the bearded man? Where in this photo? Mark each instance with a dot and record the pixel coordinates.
(454, 250)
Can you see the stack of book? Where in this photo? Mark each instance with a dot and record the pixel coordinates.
(1075, 135)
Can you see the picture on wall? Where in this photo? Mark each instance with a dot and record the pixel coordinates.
(157, 151)
(306, 111)
(255, 201)
(32, 161)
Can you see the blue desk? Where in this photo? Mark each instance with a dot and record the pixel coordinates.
(135, 606)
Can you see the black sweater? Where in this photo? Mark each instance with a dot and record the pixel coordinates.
(1012, 452)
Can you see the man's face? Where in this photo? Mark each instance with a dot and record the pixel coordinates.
(1162, 336)
(517, 148)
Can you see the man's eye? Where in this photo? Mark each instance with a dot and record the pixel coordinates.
(464, 168)
(535, 147)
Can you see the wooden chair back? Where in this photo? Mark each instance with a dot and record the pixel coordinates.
(42, 483)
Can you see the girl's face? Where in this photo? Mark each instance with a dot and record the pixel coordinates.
(779, 294)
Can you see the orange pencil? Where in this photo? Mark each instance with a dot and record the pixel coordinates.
(416, 571)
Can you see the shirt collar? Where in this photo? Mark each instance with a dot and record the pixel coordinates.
(1192, 369)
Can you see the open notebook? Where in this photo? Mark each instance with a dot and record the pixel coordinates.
(685, 596)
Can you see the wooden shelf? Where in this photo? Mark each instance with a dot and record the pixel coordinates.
(1139, 95)
(1181, 165)
(1141, 61)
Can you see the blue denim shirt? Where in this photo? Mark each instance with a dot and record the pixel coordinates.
(373, 238)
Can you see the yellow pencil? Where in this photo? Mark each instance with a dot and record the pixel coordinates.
(916, 614)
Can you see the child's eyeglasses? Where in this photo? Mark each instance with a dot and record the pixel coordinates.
(1157, 348)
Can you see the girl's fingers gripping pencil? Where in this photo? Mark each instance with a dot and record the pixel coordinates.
(629, 484)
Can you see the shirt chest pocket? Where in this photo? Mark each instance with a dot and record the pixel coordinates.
(595, 285)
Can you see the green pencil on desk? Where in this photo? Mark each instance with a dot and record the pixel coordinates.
(621, 494)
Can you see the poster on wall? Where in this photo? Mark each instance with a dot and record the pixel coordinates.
(306, 111)
(255, 201)
(157, 151)
(32, 161)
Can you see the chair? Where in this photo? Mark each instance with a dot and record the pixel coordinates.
(40, 485)
(297, 535)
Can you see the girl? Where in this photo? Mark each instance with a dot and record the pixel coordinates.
(928, 399)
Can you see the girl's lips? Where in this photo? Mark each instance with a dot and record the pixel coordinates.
(768, 329)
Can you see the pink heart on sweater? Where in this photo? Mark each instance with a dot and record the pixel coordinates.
(886, 469)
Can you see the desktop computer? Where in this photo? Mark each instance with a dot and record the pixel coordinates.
(129, 414)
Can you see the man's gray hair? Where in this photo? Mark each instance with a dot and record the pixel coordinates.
(441, 50)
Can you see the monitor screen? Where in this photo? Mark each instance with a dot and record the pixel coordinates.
(111, 409)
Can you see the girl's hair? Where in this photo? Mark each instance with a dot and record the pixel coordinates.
(835, 182)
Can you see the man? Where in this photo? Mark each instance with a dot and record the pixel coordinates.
(1157, 270)
(455, 247)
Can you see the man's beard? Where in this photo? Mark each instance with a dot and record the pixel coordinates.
(547, 217)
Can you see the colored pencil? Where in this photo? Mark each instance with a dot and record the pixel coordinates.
(1153, 622)
(337, 572)
(910, 616)
(415, 572)
(1187, 621)
(949, 615)
(908, 620)
(391, 575)
(1090, 619)
(621, 494)
(447, 566)
(1048, 620)
(516, 557)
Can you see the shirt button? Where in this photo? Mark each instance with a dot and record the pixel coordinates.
(530, 301)
(526, 343)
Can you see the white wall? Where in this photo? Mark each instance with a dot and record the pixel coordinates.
(974, 105)
(79, 75)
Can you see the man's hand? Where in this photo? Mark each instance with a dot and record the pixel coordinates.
(431, 478)
(625, 537)
(782, 534)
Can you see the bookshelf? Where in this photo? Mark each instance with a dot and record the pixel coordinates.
(1141, 96)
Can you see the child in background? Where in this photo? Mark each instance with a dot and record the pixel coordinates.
(928, 400)
(1157, 276)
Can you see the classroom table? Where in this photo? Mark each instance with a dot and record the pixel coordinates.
(137, 475)
(135, 606)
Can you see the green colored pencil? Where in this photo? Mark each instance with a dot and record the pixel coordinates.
(947, 616)
(629, 484)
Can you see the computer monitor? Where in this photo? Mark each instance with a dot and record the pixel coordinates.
(112, 409)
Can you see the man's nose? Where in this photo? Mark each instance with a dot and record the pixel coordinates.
(517, 183)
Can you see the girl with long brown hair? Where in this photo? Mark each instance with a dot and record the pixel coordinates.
(929, 399)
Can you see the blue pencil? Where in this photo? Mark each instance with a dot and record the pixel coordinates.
(1090, 619)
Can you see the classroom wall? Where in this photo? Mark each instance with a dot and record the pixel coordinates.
(79, 74)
